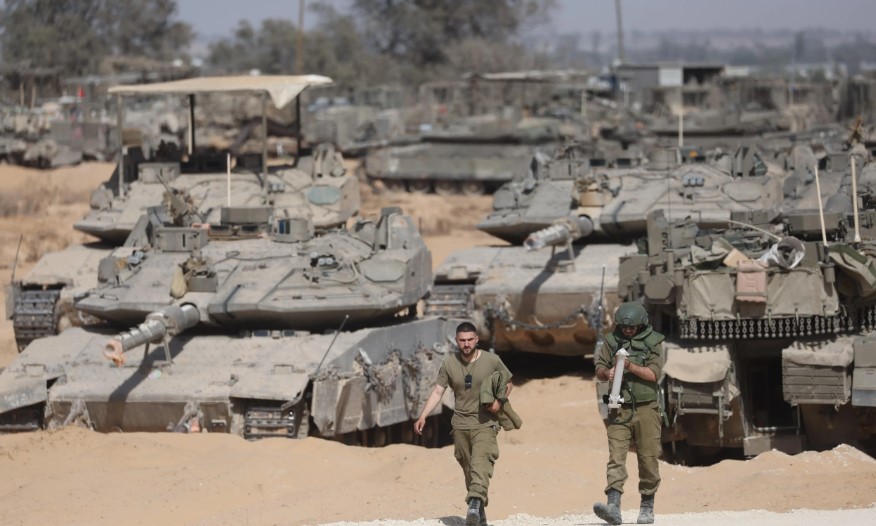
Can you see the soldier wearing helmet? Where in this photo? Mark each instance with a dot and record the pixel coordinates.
(638, 420)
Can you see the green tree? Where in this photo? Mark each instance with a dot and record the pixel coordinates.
(144, 28)
(51, 34)
(389, 42)
(337, 47)
(418, 31)
(74, 36)
(271, 49)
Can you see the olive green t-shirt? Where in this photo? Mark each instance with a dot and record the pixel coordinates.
(468, 412)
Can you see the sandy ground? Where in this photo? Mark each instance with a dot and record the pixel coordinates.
(550, 471)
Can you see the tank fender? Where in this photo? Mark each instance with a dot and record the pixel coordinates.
(19, 392)
(276, 385)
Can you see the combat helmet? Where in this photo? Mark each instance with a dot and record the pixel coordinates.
(631, 314)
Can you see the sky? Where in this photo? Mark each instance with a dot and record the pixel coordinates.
(218, 18)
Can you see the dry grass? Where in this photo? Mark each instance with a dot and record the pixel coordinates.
(42, 240)
(34, 199)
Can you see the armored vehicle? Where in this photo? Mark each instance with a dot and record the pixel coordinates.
(316, 187)
(473, 159)
(255, 326)
(766, 332)
(209, 177)
(569, 222)
(364, 119)
(612, 201)
(708, 127)
(481, 132)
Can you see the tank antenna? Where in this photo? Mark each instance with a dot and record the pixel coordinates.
(120, 119)
(318, 367)
(681, 115)
(228, 179)
(600, 315)
(855, 201)
(265, 142)
(820, 207)
(15, 263)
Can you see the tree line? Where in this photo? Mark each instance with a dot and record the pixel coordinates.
(375, 41)
(372, 42)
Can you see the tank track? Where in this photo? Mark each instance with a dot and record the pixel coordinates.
(22, 420)
(264, 421)
(450, 301)
(35, 315)
(765, 328)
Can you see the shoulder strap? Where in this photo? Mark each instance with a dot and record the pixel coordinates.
(611, 340)
(654, 339)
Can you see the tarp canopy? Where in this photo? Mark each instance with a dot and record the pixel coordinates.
(282, 88)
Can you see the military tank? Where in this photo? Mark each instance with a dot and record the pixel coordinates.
(569, 222)
(473, 158)
(714, 127)
(316, 186)
(766, 327)
(612, 200)
(255, 326)
(214, 178)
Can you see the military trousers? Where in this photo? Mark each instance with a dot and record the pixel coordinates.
(476, 450)
(641, 427)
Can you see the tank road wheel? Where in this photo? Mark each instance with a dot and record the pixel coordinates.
(473, 188)
(393, 185)
(28, 418)
(432, 432)
(407, 433)
(380, 437)
(419, 186)
(268, 418)
(446, 188)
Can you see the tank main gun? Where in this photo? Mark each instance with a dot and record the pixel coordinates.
(562, 231)
(157, 327)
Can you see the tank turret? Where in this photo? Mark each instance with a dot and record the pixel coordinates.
(617, 200)
(266, 271)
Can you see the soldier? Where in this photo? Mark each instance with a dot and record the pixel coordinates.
(639, 417)
(475, 425)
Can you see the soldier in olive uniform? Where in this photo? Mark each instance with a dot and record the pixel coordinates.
(639, 417)
(475, 425)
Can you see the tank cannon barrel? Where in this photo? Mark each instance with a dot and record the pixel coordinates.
(169, 321)
(563, 230)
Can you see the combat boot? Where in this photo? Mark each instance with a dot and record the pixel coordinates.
(484, 516)
(646, 512)
(610, 513)
(475, 508)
